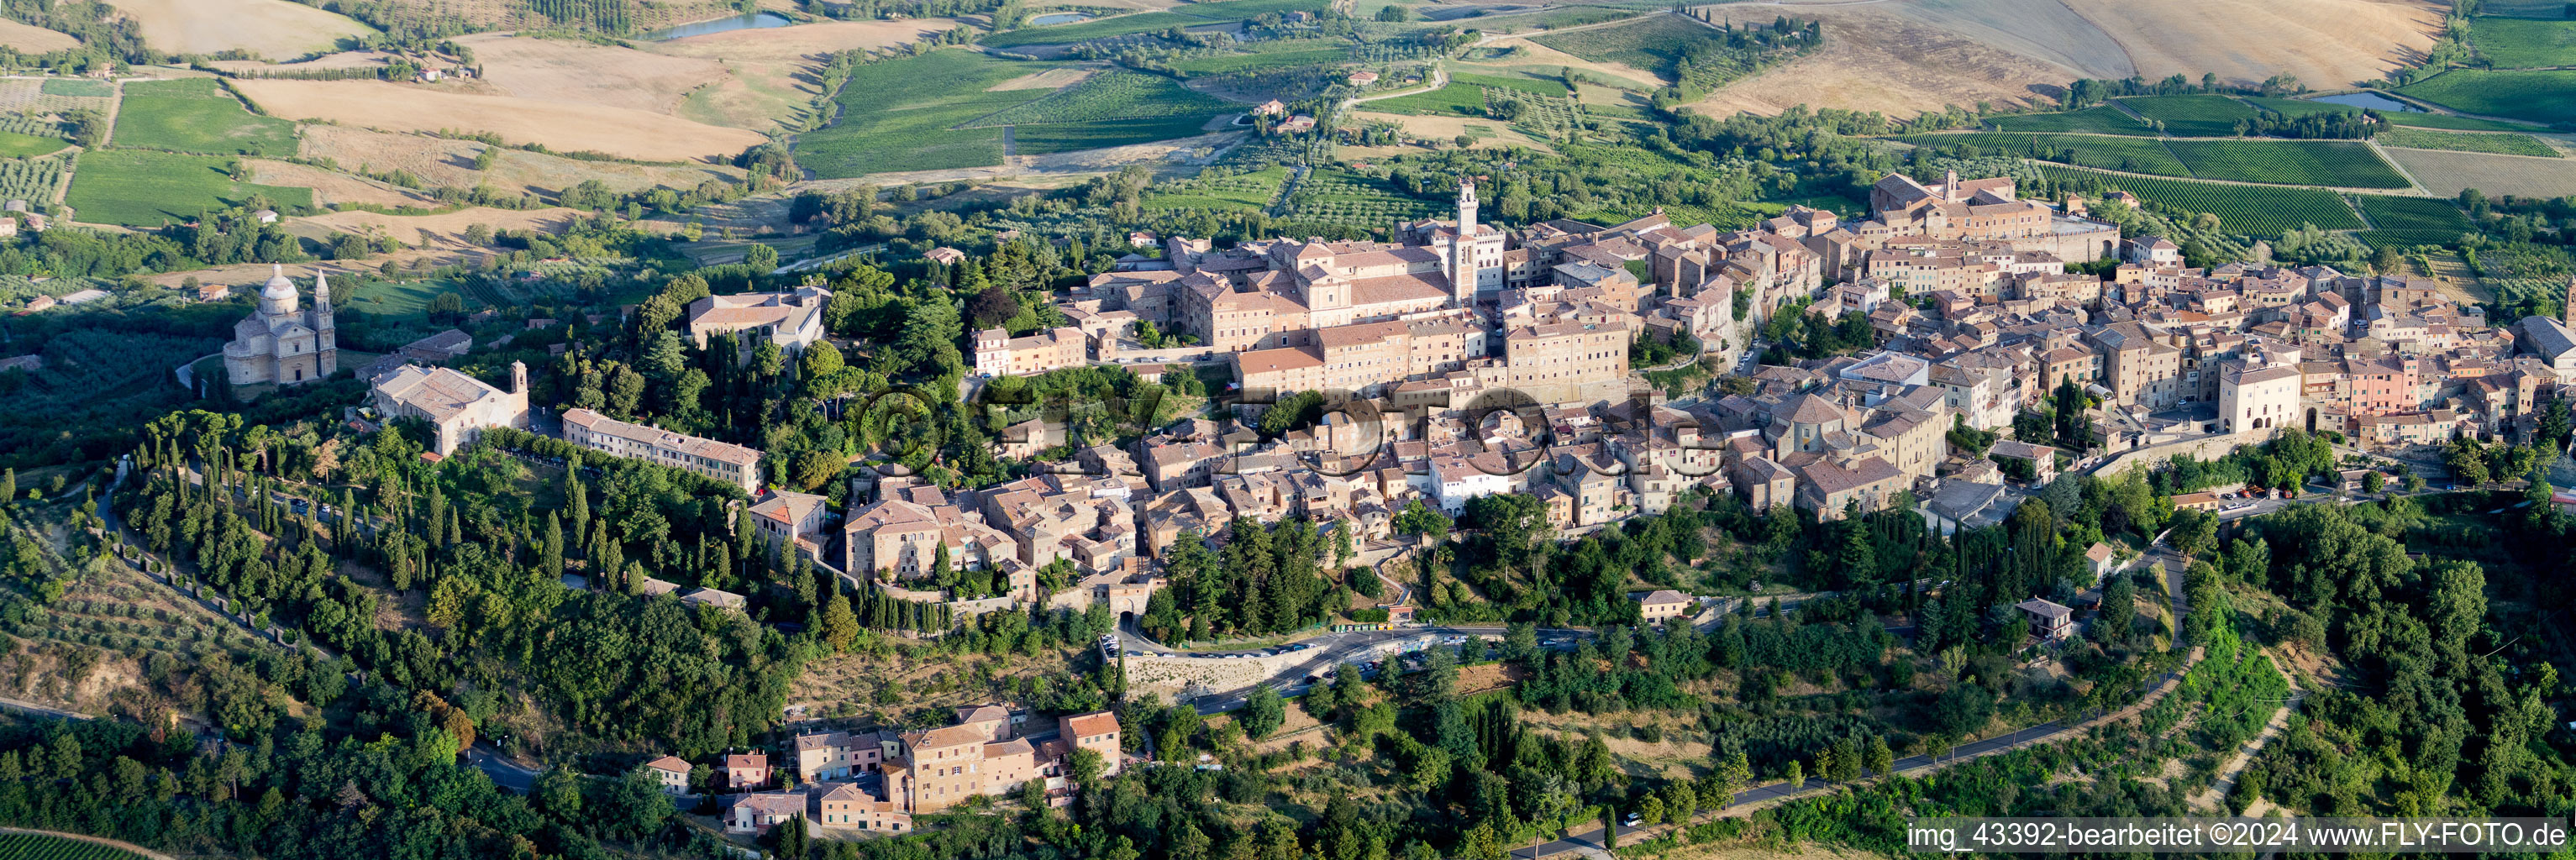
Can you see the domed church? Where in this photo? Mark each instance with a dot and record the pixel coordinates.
(280, 343)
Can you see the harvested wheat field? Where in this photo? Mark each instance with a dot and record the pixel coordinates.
(1907, 56)
(2444, 173)
(767, 74)
(275, 29)
(440, 161)
(331, 186)
(563, 70)
(1051, 79)
(31, 39)
(561, 126)
(443, 231)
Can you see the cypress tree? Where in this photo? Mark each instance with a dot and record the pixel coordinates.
(576, 501)
(550, 551)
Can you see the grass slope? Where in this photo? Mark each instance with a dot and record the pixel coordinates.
(1454, 99)
(900, 115)
(15, 145)
(2246, 209)
(197, 115)
(2342, 164)
(2537, 96)
(1651, 43)
(142, 189)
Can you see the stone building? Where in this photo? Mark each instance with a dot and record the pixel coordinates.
(457, 406)
(280, 343)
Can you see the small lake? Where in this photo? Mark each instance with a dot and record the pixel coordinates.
(754, 21)
(1058, 18)
(2370, 101)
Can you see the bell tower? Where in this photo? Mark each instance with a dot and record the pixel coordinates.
(1462, 249)
(2567, 311)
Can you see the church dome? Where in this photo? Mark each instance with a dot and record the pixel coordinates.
(279, 296)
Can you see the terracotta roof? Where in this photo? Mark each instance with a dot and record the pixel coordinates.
(1087, 725)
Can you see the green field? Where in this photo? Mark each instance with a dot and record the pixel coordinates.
(2297, 107)
(1231, 63)
(37, 846)
(2130, 154)
(2524, 43)
(392, 298)
(2538, 96)
(2505, 144)
(2193, 116)
(1187, 15)
(197, 115)
(1651, 43)
(78, 87)
(2242, 209)
(1242, 191)
(142, 189)
(2343, 164)
(900, 115)
(1510, 80)
(2412, 220)
(15, 145)
(2417, 119)
(1068, 137)
(2103, 119)
(1113, 94)
(1457, 99)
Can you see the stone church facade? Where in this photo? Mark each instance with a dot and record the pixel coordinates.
(281, 343)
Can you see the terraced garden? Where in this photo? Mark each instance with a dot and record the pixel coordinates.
(2502, 144)
(2194, 115)
(2545, 97)
(2340, 164)
(2245, 209)
(2411, 220)
(197, 115)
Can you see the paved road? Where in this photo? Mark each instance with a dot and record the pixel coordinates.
(504, 772)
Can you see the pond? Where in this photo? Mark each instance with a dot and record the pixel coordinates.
(2368, 100)
(754, 21)
(1058, 18)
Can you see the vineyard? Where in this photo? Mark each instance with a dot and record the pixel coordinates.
(2192, 116)
(2500, 144)
(35, 846)
(34, 180)
(899, 115)
(1115, 94)
(2098, 120)
(1339, 197)
(1073, 137)
(2447, 121)
(2340, 164)
(2127, 154)
(2537, 96)
(137, 188)
(2246, 209)
(2524, 43)
(2411, 220)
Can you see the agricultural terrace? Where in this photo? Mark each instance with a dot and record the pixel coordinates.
(2251, 210)
(38, 846)
(137, 188)
(1185, 15)
(1341, 197)
(2524, 43)
(197, 115)
(903, 114)
(2193, 115)
(2411, 220)
(2103, 119)
(2341, 164)
(1241, 191)
(2501, 144)
(1112, 95)
(2545, 97)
